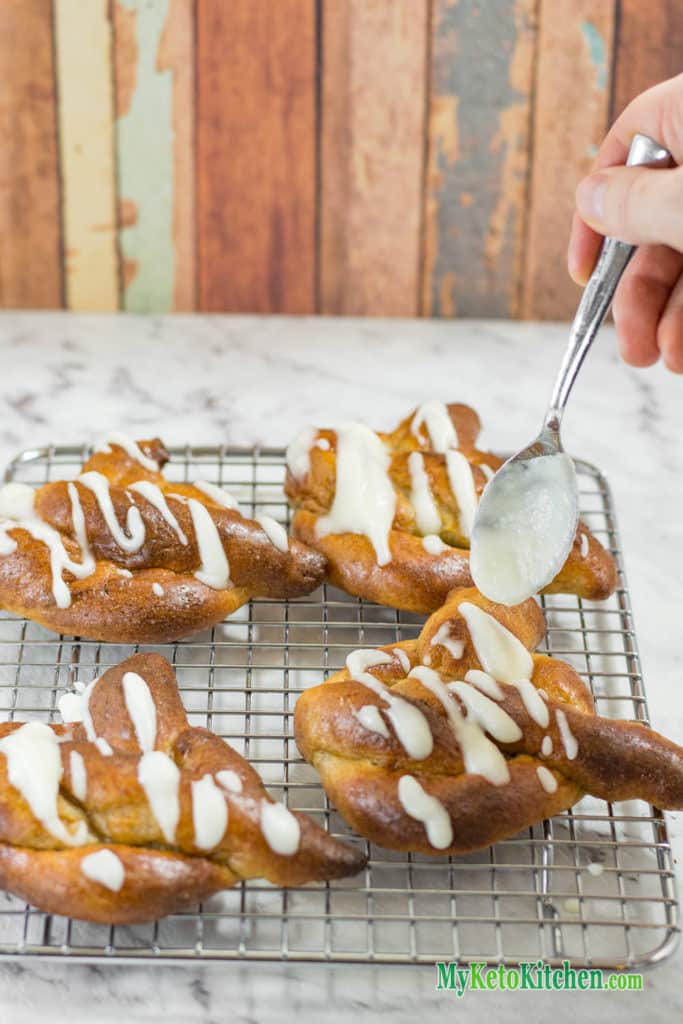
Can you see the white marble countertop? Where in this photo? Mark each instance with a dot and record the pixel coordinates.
(241, 380)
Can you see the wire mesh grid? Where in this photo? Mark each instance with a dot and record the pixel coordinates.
(594, 885)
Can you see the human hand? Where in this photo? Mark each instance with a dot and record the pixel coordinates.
(643, 206)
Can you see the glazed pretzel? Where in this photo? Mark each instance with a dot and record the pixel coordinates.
(435, 483)
(124, 555)
(132, 814)
(420, 753)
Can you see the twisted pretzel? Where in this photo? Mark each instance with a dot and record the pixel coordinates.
(427, 536)
(420, 753)
(124, 555)
(131, 814)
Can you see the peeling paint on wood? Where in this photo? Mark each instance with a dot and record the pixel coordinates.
(145, 155)
(649, 47)
(30, 236)
(256, 155)
(86, 138)
(373, 107)
(477, 177)
(570, 120)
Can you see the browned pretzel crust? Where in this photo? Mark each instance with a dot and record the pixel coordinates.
(360, 769)
(159, 877)
(130, 608)
(414, 579)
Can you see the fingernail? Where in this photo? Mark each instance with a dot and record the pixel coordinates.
(590, 197)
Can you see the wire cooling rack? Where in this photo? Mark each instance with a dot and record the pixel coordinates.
(594, 885)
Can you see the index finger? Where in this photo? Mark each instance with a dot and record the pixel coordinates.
(658, 112)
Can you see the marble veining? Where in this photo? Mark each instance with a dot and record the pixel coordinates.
(243, 380)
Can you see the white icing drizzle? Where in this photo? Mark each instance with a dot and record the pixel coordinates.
(17, 501)
(158, 589)
(440, 430)
(371, 719)
(442, 639)
(323, 444)
(155, 496)
(547, 779)
(462, 484)
(487, 471)
(484, 682)
(298, 455)
(7, 544)
(427, 515)
(480, 755)
(126, 573)
(500, 652)
(424, 807)
(487, 713)
(209, 813)
(34, 769)
(104, 867)
(229, 780)
(547, 746)
(141, 708)
(280, 828)
(59, 559)
(159, 776)
(433, 544)
(410, 725)
(75, 707)
(218, 494)
(214, 570)
(79, 778)
(427, 660)
(70, 707)
(584, 545)
(133, 537)
(275, 532)
(364, 497)
(78, 522)
(403, 658)
(130, 448)
(569, 741)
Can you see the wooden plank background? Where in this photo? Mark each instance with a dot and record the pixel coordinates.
(256, 145)
(372, 143)
(571, 113)
(83, 37)
(365, 157)
(30, 235)
(479, 156)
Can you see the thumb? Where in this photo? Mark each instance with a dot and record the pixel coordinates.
(636, 204)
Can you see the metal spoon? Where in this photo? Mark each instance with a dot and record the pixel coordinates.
(527, 518)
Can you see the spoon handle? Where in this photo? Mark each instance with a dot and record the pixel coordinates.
(599, 292)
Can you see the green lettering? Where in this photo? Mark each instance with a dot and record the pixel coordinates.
(445, 975)
(476, 977)
(528, 977)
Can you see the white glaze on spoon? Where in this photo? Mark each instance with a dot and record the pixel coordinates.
(524, 528)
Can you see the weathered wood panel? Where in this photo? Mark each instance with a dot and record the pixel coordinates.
(256, 164)
(177, 55)
(570, 120)
(83, 36)
(374, 80)
(153, 99)
(478, 164)
(30, 235)
(649, 47)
